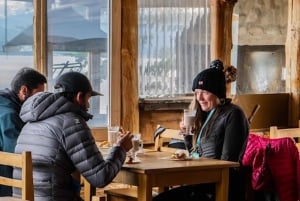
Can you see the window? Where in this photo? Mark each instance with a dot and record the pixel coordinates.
(15, 38)
(78, 35)
(259, 36)
(173, 45)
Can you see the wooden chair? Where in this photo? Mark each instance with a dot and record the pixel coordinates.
(294, 133)
(23, 161)
(163, 139)
(88, 191)
(121, 194)
(253, 113)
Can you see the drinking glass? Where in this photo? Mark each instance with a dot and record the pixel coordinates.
(189, 120)
(137, 146)
(112, 134)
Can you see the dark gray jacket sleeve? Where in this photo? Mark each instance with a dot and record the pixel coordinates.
(85, 155)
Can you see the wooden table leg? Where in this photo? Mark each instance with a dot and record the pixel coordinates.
(145, 188)
(222, 186)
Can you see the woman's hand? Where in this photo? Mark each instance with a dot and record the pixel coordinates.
(183, 130)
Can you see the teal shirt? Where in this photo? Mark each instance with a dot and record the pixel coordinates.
(198, 142)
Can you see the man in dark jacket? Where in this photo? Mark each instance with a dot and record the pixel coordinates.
(61, 142)
(25, 83)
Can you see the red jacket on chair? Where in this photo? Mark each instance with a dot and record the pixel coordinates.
(283, 163)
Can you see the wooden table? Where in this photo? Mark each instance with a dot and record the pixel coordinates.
(157, 170)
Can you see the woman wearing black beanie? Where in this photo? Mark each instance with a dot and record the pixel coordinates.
(221, 131)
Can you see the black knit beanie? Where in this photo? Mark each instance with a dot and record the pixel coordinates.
(212, 79)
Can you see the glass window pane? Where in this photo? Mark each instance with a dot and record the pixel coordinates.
(78, 41)
(16, 38)
(259, 36)
(173, 45)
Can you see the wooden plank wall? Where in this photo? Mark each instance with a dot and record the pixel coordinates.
(273, 110)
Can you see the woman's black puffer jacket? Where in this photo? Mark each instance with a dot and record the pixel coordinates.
(61, 142)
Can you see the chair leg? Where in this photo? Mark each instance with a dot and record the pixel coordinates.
(89, 191)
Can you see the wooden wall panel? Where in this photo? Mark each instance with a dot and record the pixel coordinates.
(273, 110)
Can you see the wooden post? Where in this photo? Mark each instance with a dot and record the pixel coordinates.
(129, 69)
(293, 60)
(227, 12)
(40, 35)
(217, 24)
(115, 73)
(221, 31)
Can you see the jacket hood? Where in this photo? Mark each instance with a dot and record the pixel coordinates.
(10, 95)
(43, 105)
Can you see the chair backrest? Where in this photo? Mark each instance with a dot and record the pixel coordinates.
(294, 133)
(166, 136)
(253, 113)
(23, 161)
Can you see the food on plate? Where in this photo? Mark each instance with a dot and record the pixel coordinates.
(104, 144)
(130, 160)
(179, 155)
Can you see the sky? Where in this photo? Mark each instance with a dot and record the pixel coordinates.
(15, 7)
(16, 22)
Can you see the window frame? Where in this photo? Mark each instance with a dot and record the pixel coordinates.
(40, 57)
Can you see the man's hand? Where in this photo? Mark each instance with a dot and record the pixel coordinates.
(125, 141)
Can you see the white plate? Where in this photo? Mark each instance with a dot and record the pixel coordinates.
(178, 159)
(181, 159)
(133, 162)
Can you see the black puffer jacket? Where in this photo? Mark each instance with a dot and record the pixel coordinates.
(60, 141)
(226, 138)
